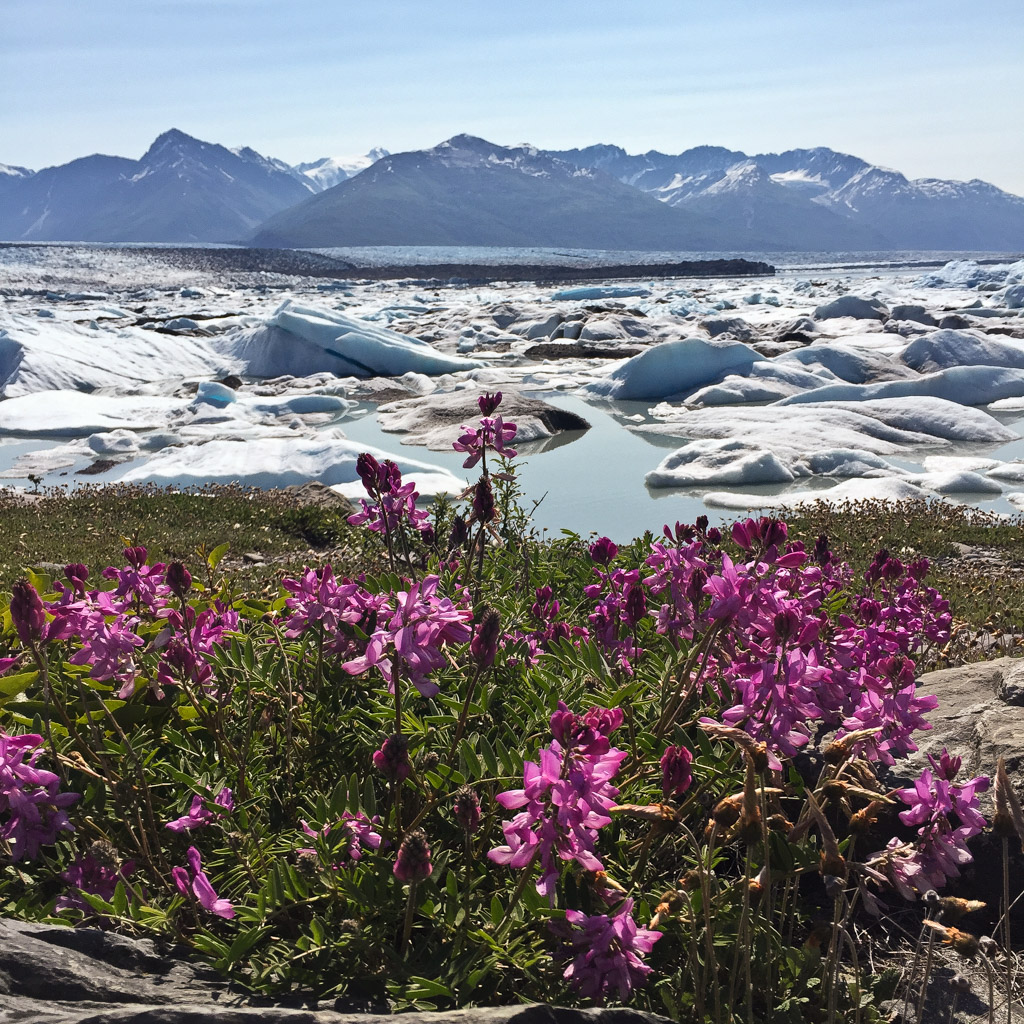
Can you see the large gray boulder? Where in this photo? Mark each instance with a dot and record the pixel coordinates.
(51, 974)
(980, 717)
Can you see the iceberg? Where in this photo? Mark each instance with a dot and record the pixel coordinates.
(889, 489)
(941, 350)
(60, 356)
(674, 368)
(280, 462)
(966, 385)
(300, 340)
(76, 414)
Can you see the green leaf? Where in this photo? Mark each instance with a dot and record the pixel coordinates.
(419, 987)
(214, 557)
(12, 685)
(120, 900)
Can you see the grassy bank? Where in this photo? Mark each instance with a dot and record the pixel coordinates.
(976, 556)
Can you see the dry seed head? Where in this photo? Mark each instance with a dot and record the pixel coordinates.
(839, 750)
(1008, 819)
(953, 907)
(690, 881)
(866, 817)
(105, 854)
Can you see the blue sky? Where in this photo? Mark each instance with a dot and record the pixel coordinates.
(931, 87)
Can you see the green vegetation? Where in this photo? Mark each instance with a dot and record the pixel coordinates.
(485, 768)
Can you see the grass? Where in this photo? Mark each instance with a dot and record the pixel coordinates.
(93, 524)
(984, 585)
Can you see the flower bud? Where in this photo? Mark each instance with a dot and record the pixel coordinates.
(413, 861)
(368, 469)
(136, 556)
(484, 507)
(27, 611)
(467, 808)
(488, 403)
(77, 574)
(392, 760)
(676, 776)
(484, 645)
(603, 550)
(459, 534)
(178, 579)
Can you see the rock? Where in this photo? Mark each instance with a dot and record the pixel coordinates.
(437, 420)
(980, 717)
(916, 313)
(51, 974)
(855, 306)
(232, 381)
(318, 494)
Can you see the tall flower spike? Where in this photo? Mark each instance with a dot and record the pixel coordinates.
(27, 611)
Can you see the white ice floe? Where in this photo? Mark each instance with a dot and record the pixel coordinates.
(601, 292)
(280, 462)
(748, 462)
(439, 419)
(50, 356)
(967, 385)
(846, 361)
(889, 489)
(957, 482)
(971, 274)
(855, 306)
(299, 340)
(675, 368)
(76, 414)
(959, 464)
(940, 350)
(884, 427)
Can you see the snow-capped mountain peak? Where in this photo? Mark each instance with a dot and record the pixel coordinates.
(329, 171)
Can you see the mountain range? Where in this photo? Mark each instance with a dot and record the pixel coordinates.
(467, 191)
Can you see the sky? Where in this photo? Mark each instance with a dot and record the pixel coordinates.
(930, 87)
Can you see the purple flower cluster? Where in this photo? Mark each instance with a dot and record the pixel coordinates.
(412, 634)
(391, 502)
(29, 799)
(192, 882)
(493, 433)
(605, 952)
(545, 611)
(89, 875)
(621, 604)
(356, 830)
(941, 847)
(565, 798)
(199, 815)
(105, 625)
(788, 668)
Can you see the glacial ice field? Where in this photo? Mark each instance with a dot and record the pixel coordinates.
(639, 402)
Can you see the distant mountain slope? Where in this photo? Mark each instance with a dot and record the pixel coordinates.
(182, 190)
(819, 199)
(329, 171)
(467, 191)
